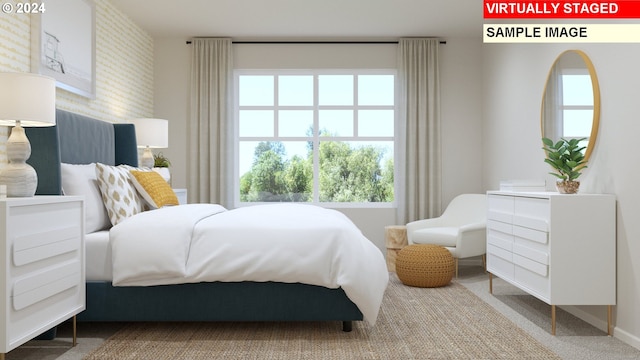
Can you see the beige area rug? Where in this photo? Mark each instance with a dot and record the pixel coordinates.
(414, 323)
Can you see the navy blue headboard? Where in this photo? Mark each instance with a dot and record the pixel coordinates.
(78, 139)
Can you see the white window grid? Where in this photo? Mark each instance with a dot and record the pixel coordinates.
(315, 138)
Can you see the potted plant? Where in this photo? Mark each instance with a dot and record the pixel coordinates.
(566, 157)
(161, 165)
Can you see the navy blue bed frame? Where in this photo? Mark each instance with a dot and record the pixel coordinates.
(78, 139)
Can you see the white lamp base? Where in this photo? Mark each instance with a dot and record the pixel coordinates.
(147, 158)
(21, 180)
(19, 177)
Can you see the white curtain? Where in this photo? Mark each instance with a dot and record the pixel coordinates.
(553, 115)
(210, 134)
(420, 171)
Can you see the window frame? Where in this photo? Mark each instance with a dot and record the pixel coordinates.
(316, 108)
(564, 107)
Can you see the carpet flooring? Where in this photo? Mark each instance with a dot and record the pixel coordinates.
(395, 335)
(414, 323)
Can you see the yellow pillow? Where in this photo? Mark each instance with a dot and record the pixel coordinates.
(153, 188)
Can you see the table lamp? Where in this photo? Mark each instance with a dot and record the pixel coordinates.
(25, 100)
(151, 133)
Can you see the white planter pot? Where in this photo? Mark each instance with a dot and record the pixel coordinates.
(164, 172)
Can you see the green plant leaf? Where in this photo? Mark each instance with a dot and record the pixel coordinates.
(558, 176)
(566, 157)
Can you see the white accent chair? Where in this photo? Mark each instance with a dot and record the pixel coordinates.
(461, 229)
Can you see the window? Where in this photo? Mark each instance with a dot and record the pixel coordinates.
(577, 104)
(313, 136)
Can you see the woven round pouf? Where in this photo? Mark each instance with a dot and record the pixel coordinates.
(424, 265)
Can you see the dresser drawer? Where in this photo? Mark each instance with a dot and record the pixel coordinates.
(56, 238)
(531, 243)
(531, 265)
(39, 286)
(536, 236)
(531, 213)
(500, 252)
(500, 240)
(541, 257)
(45, 243)
(500, 203)
(532, 281)
(499, 266)
(499, 226)
(500, 208)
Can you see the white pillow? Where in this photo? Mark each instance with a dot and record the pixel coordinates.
(118, 193)
(81, 180)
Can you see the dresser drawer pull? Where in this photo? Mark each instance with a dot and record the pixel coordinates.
(535, 255)
(530, 265)
(500, 242)
(40, 286)
(35, 247)
(501, 253)
(500, 216)
(530, 234)
(493, 225)
(531, 222)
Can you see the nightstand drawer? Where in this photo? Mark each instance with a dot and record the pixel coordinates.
(41, 245)
(39, 286)
(57, 237)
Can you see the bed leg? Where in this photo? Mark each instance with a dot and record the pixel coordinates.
(347, 326)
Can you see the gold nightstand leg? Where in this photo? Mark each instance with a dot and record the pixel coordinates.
(490, 283)
(609, 317)
(1, 356)
(456, 263)
(553, 319)
(75, 332)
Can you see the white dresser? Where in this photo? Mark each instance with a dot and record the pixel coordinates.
(43, 283)
(558, 248)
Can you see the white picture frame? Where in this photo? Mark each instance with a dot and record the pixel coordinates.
(63, 45)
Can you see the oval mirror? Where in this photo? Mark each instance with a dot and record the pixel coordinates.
(571, 100)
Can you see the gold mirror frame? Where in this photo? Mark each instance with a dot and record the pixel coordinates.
(595, 124)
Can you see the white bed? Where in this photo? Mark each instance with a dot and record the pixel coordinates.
(296, 266)
(285, 242)
(98, 256)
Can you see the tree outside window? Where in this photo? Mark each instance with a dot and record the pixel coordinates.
(319, 138)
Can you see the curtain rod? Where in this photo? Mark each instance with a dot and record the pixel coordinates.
(316, 42)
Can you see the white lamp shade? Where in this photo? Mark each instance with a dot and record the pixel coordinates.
(28, 98)
(152, 133)
(25, 100)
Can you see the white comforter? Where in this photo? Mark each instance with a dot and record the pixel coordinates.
(283, 242)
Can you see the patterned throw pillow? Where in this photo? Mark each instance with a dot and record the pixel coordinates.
(153, 188)
(118, 193)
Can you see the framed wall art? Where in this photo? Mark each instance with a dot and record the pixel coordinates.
(63, 45)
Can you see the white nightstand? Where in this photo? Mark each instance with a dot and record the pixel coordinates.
(43, 282)
(182, 195)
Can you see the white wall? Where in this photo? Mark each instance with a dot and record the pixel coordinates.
(514, 78)
(461, 106)
(461, 112)
(124, 52)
